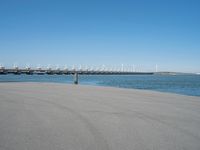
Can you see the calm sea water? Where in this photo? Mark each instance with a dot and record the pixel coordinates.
(181, 84)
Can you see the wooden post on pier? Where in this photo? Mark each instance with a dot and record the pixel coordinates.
(75, 78)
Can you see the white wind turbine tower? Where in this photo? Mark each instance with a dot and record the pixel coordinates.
(57, 67)
(134, 68)
(122, 68)
(65, 67)
(156, 68)
(89, 68)
(48, 67)
(129, 69)
(73, 68)
(102, 67)
(80, 68)
(39, 67)
(28, 66)
(15, 66)
(138, 68)
(105, 68)
(86, 68)
(119, 68)
(1, 66)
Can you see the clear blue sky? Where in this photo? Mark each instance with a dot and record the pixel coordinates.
(89, 32)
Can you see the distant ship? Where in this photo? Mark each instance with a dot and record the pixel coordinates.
(198, 73)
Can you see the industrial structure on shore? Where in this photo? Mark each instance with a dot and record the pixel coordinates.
(49, 71)
(67, 71)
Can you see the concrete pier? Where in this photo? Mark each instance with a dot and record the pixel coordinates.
(67, 71)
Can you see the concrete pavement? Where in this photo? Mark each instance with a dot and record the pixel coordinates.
(50, 116)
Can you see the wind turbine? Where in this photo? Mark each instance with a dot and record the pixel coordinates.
(65, 67)
(28, 67)
(49, 70)
(80, 68)
(39, 67)
(16, 69)
(49, 67)
(102, 68)
(57, 67)
(122, 68)
(1, 66)
(134, 68)
(15, 66)
(156, 68)
(74, 68)
(85, 68)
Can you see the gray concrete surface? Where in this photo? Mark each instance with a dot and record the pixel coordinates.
(49, 116)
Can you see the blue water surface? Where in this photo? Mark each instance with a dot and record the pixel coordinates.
(181, 84)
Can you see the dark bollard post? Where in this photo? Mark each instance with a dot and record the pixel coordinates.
(75, 78)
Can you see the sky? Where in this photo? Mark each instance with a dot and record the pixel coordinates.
(104, 32)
